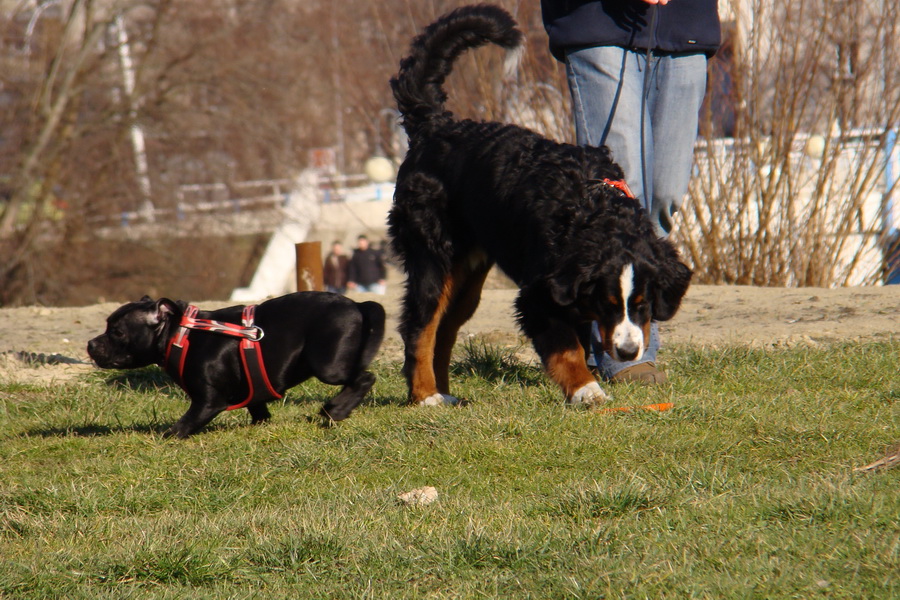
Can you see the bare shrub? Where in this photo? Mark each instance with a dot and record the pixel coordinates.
(798, 195)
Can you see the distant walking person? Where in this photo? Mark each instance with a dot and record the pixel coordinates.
(334, 271)
(366, 272)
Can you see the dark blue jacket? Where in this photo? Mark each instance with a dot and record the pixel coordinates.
(682, 26)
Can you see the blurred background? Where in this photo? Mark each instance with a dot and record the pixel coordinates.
(176, 147)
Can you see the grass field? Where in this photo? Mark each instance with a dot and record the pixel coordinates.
(745, 490)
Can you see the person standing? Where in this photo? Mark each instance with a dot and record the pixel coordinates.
(636, 72)
(366, 272)
(334, 270)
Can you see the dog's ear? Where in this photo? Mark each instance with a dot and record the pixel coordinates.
(146, 299)
(568, 283)
(669, 286)
(165, 310)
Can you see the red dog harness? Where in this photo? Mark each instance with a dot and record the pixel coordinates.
(251, 355)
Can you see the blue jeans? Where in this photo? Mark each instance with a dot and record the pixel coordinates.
(373, 288)
(606, 83)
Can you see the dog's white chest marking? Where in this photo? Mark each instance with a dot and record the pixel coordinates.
(628, 338)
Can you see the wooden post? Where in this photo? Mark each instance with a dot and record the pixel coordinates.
(309, 267)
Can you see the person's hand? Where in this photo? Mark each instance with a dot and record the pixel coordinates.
(663, 2)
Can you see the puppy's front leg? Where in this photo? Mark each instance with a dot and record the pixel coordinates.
(259, 412)
(201, 412)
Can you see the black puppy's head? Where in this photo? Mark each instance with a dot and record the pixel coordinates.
(136, 334)
(623, 293)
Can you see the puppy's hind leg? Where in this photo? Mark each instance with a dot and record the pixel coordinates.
(340, 407)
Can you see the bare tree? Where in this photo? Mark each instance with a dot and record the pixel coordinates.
(47, 84)
(113, 105)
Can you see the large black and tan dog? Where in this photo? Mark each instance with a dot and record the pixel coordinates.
(473, 194)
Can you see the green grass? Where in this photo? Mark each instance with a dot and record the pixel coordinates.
(745, 490)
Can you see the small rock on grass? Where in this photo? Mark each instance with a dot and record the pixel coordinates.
(419, 497)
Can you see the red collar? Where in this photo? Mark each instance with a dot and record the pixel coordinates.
(619, 184)
(251, 355)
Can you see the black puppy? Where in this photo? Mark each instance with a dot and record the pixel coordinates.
(302, 335)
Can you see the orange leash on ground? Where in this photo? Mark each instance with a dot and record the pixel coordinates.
(657, 407)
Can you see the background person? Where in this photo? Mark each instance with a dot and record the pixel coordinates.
(366, 272)
(334, 269)
(636, 71)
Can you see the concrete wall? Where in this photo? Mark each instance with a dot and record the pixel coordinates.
(344, 221)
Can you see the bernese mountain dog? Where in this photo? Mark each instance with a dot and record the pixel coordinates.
(473, 194)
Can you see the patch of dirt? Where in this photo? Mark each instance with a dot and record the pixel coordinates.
(710, 316)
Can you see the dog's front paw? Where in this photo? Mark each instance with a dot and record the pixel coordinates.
(176, 432)
(589, 395)
(439, 400)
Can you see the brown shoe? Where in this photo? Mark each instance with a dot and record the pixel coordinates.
(644, 373)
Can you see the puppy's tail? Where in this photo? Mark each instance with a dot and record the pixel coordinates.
(418, 86)
(373, 328)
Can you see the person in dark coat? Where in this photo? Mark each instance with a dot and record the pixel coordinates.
(366, 272)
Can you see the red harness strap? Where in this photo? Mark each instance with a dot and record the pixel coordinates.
(254, 367)
(176, 352)
(260, 388)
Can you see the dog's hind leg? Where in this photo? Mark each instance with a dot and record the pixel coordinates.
(421, 320)
(468, 277)
(340, 407)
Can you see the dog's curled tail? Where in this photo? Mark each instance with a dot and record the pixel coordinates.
(373, 328)
(418, 86)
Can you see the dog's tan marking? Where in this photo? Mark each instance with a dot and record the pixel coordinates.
(606, 337)
(568, 369)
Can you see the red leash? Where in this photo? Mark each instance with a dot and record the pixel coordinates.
(251, 354)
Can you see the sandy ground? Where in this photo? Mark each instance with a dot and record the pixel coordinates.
(710, 316)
